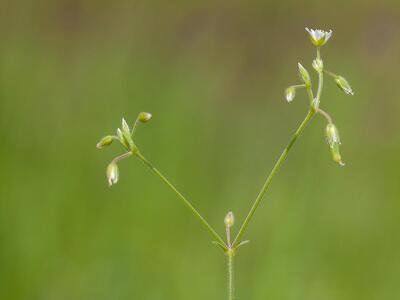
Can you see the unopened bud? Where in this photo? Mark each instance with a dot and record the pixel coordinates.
(335, 151)
(229, 219)
(290, 93)
(125, 127)
(344, 85)
(333, 139)
(332, 134)
(124, 136)
(144, 117)
(112, 173)
(122, 139)
(105, 141)
(304, 75)
(318, 65)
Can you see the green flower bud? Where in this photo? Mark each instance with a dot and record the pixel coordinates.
(344, 85)
(319, 37)
(304, 75)
(122, 139)
(125, 127)
(336, 155)
(332, 134)
(229, 219)
(124, 135)
(105, 141)
(112, 173)
(144, 117)
(318, 65)
(333, 139)
(290, 93)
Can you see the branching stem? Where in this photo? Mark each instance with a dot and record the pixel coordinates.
(184, 200)
(275, 169)
(284, 154)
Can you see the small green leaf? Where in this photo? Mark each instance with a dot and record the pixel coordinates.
(222, 246)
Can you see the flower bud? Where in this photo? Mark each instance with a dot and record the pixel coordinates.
(290, 93)
(125, 127)
(124, 136)
(112, 173)
(332, 134)
(229, 219)
(318, 65)
(144, 117)
(105, 141)
(333, 139)
(336, 155)
(122, 139)
(304, 75)
(344, 85)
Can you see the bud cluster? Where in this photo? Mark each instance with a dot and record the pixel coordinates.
(319, 38)
(125, 136)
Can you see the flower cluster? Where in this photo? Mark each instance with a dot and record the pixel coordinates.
(125, 136)
(319, 38)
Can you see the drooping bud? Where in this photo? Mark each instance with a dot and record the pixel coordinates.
(333, 139)
(290, 93)
(332, 134)
(112, 173)
(343, 85)
(229, 220)
(335, 151)
(318, 65)
(304, 75)
(144, 117)
(105, 141)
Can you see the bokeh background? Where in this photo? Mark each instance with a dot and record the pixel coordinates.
(213, 75)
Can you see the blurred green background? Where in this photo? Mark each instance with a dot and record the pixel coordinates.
(213, 75)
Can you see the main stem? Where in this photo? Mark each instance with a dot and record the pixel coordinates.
(275, 169)
(231, 287)
(184, 200)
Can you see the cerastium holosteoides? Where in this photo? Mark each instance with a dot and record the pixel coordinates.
(230, 245)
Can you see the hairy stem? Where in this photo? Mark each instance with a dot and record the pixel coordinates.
(320, 79)
(231, 286)
(275, 169)
(325, 115)
(184, 200)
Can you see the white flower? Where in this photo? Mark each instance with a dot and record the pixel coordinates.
(319, 37)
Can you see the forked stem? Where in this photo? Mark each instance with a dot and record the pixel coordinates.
(184, 200)
(313, 110)
(275, 169)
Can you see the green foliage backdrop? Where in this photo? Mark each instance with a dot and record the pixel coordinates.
(213, 75)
